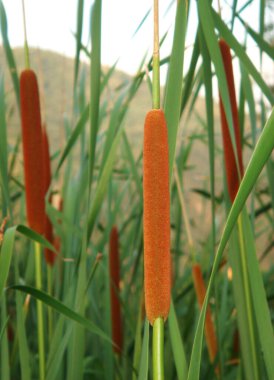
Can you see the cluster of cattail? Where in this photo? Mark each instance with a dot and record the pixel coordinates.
(36, 159)
(157, 268)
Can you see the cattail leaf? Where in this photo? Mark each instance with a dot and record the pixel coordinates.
(102, 184)
(8, 52)
(95, 80)
(258, 294)
(262, 43)
(5, 256)
(258, 159)
(62, 309)
(8, 246)
(173, 92)
(207, 78)
(80, 11)
(177, 344)
(73, 137)
(143, 370)
(239, 51)
(189, 82)
(5, 367)
(24, 353)
(207, 23)
(133, 165)
(4, 152)
(243, 303)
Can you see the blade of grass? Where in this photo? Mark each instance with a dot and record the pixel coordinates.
(80, 11)
(95, 80)
(4, 152)
(259, 157)
(143, 370)
(5, 361)
(8, 52)
(177, 344)
(173, 92)
(62, 309)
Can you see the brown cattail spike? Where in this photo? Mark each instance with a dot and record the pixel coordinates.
(114, 269)
(200, 290)
(232, 174)
(156, 217)
(32, 150)
(50, 256)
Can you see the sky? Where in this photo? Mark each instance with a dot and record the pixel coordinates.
(51, 24)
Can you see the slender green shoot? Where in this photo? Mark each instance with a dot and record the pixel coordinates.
(158, 349)
(40, 323)
(156, 60)
(26, 46)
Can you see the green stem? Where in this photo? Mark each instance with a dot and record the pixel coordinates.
(247, 297)
(158, 349)
(26, 47)
(49, 273)
(40, 322)
(156, 60)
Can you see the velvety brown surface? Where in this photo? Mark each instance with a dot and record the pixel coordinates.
(157, 271)
(32, 150)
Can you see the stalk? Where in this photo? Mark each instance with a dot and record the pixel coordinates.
(40, 321)
(158, 349)
(26, 46)
(156, 60)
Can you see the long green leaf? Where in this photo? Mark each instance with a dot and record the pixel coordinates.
(177, 344)
(173, 94)
(239, 51)
(95, 80)
(259, 157)
(62, 309)
(143, 371)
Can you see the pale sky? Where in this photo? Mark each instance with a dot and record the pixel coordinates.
(50, 24)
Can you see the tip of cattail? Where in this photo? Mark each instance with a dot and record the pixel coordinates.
(157, 270)
(114, 269)
(32, 150)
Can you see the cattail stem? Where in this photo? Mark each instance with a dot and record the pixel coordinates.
(156, 60)
(49, 309)
(158, 349)
(26, 47)
(40, 322)
(247, 290)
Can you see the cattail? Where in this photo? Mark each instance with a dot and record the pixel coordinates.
(200, 290)
(32, 150)
(157, 271)
(50, 256)
(232, 174)
(114, 269)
